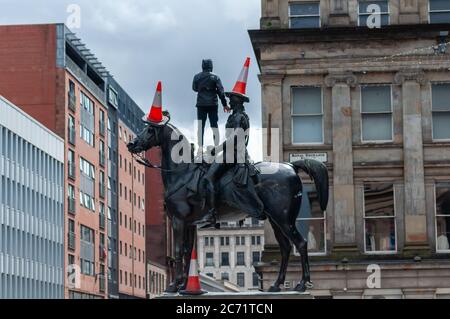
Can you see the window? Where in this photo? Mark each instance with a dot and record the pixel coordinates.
(225, 259)
(225, 241)
(255, 280)
(87, 119)
(307, 115)
(439, 11)
(71, 235)
(102, 153)
(256, 240)
(225, 276)
(87, 168)
(87, 201)
(113, 97)
(71, 198)
(71, 96)
(101, 184)
(304, 15)
(311, 222)
(101, 123)
(442, 217)
(376, 113)
(209, 260)
(240, 240)
(368, 9)
(441, 111)
(240, 259)
(256, 257)
(379, 218)
(87, 251)
(71, 129)
(240, 281)
(71, 164)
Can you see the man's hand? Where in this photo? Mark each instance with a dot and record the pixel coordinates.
(226, 109)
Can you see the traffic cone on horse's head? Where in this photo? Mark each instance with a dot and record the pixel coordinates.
(193, 286)
(156, 116)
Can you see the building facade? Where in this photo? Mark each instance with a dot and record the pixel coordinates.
(31, 207)
(364, 87)
(55, 78)
(132, 261)
(229, 254)
(156, 280)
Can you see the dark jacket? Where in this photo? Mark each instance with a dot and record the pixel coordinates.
(208, 86)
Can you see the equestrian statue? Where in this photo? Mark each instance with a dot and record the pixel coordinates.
(204, 193)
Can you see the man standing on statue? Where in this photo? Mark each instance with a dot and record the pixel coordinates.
(235, 146)
(209, 87)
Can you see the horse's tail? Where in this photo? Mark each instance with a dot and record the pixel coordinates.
(319, 173)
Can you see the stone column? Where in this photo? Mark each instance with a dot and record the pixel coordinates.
(343, 187)
(272, 116)
(414, 175)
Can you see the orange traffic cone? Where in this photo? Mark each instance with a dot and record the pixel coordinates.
(240, 87)
(155, 116)
(193, 286)
(241, 84)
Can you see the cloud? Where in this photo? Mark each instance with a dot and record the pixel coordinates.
(141, 42)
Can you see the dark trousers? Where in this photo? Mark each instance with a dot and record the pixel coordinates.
(203, 113)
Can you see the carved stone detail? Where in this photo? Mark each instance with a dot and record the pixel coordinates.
(347, 78)
(416, 75)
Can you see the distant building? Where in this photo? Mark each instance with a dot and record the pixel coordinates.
(373, 104)
(229, 254)
(31, 207)
(156, 280)
(52, 75)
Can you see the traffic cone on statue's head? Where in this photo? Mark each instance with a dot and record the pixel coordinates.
(240, 87)
(155, 116)
(193, 286)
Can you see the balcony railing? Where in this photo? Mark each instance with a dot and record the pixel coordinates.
(72, 135)
(71, 241)
(71, 205)
(101, 219)
(71, 172)
(72, 101)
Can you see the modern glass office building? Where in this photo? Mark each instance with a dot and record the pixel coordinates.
(31, 207)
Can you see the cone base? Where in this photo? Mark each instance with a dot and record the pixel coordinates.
(192, 293)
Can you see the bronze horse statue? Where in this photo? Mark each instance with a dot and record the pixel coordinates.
(281, 193)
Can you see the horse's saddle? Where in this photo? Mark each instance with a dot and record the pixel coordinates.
(240, 177)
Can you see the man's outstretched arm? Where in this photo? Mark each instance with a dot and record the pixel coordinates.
(221, 92)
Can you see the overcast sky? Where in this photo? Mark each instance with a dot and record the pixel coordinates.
(143, 41)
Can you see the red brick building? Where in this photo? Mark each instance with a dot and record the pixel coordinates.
(49, 73)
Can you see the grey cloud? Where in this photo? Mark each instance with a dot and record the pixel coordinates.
(142, 41)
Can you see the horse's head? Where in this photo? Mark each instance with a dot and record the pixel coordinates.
(147, 139)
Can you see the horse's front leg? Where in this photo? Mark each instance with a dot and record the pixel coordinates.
(178, 234)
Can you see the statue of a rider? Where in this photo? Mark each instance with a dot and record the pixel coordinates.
(235, 157)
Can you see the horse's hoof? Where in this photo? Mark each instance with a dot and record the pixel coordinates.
(274, 289)
(172, 289)
(303, 286)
